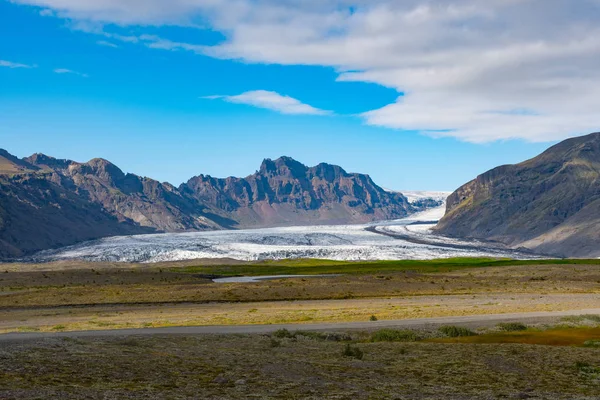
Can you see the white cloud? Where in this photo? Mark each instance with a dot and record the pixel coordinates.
(10, 64)
(272, 101)
(106, 43)
(69, 71)
(464, 66)
(47, 13)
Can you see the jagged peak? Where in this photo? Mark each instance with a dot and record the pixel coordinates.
(100, 162)
(43, 160)
(282, 166)
(104, 168)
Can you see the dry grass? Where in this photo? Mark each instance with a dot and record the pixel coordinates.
(157, 285)
(280, 312)
(142, 297)
(551, 337)
(243, 367)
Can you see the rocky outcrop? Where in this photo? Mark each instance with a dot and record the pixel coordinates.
(549, 204)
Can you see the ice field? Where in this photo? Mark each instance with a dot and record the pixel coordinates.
(409, 238)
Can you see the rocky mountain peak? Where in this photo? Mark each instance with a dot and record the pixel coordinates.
(43, 161)
(104, 169)
(287, 192)
(284, 166)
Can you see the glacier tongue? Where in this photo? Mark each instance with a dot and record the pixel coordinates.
(389, 240)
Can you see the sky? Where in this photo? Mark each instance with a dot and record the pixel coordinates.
(419, 94)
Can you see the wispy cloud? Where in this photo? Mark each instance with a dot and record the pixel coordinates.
(460, 66)
(10, 64)
(47, 13)
(106, 43)
(69, 71)
(272, 101)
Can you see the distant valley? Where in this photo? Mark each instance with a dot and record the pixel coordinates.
(47, 202)
(549, 205)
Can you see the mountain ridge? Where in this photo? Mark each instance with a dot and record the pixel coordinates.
(47, 202)
(279, 188)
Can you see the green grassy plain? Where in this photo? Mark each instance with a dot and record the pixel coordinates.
(318, 267)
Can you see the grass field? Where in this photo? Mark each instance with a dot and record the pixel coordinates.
(381, 279)
(106, 297)
(508, 362)
(288, 365)
(315, 267)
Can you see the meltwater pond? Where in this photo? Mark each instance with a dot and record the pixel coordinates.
(253, 279)
(409, 238)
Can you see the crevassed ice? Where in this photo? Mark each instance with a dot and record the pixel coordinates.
(348, 242)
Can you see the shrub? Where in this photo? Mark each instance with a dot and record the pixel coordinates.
(283, 334)
(373, 318)
(456, 331)
(592, 317)
(512, 327)
(579, 319)
(586, 369)
(328, 336)
(353, 352)
(592, 343)
(392, 335)
(275, 342)
(129, 342)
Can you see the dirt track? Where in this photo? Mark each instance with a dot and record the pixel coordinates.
(478, 320)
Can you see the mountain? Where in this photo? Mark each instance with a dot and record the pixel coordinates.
(549, 204)
(285, 192)
(47, 202)
(128, 197)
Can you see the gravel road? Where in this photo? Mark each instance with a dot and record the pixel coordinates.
(474, 320)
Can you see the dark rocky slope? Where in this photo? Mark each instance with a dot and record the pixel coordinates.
(46, 203)
(550, 204)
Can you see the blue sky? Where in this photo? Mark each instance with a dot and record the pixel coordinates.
(215, 87)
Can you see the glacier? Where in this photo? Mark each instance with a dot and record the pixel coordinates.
(408, 238)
